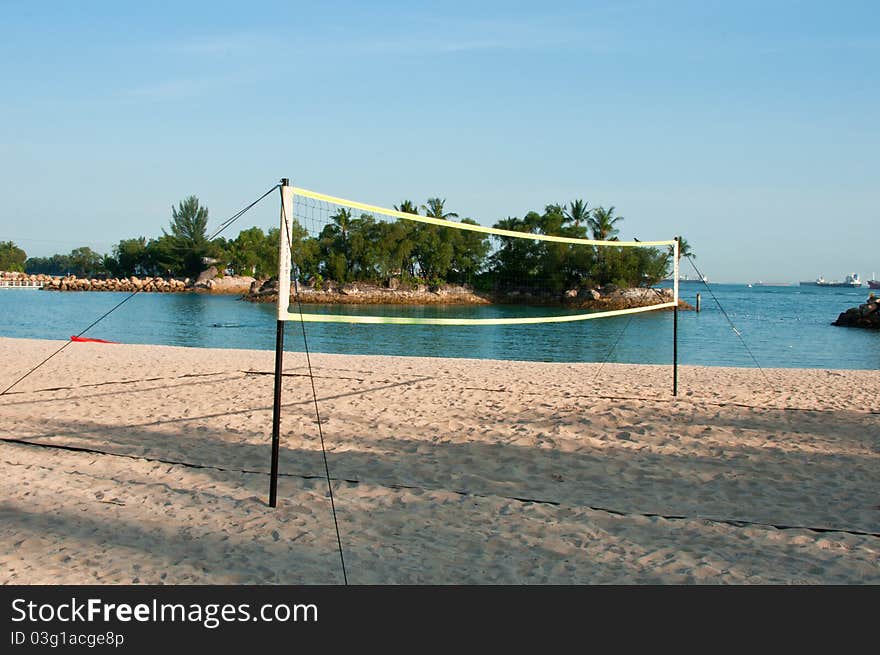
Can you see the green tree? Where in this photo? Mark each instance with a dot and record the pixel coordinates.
(515, 263)
(543, 267)
(85, 262)
(394, 248)
(407, 207)
(433, 252)
(684, 249)
(54, 265)
(12, 258)
(602, 223)
(163, 257)
(334, 247)
(247, 252)
(611, 263)
(363, 247)
(469, 251)
(434, 209)
(131, 257)
(189, 225)
(433, 246)
(577, 213)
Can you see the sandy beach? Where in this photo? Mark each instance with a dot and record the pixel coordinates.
(445, 471)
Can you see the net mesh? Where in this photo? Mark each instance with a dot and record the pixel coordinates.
(542, 259)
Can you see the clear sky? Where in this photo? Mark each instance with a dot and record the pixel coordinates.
(749, 127)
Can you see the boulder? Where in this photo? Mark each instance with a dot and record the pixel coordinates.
(866, 315)
(206, 276)
(231, 284)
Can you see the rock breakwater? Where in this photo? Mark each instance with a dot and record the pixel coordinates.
(866, 315)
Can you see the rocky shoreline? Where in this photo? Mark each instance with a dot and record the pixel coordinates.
(331, 293)
(866, 315)
(208, 282)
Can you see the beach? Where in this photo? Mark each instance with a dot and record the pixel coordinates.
(446, 471)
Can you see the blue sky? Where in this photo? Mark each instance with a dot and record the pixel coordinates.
(749, 127)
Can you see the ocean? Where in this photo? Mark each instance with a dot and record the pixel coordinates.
(788, 327)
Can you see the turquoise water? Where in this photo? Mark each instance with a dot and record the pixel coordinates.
(783, 326)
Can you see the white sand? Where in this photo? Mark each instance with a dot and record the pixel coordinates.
(437, 463)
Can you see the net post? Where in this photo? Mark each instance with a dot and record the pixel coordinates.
(282, 306)
(675, 254)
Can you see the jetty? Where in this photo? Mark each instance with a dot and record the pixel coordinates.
(20, 284)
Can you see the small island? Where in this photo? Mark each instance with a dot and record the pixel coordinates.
(397, 293)
(343, 258)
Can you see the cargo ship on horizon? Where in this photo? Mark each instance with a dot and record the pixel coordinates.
(851, 281)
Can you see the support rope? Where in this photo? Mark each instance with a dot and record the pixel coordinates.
(229, 221)
(611, 350)
(317, 412)
(729, 320)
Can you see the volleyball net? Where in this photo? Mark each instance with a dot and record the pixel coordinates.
(543, 259)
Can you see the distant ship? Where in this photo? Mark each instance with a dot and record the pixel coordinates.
(684, 278)
(851, 281)
(770, 284)
(874, 283)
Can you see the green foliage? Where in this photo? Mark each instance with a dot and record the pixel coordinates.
(684, 249)
(601, 224)
(85, 262)
(12, 258)
(82, 262)
(164, 257)
(631, 267)
(253, 252)
(469, 252)
(435, 209)
(551, 268)
(54, 265)
(407, 207)
(577, 213)
(360, 248)
(189, 244)
(131, 257)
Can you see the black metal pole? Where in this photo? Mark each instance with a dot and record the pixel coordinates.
(675, 335)
(276, 414)
(675, 351)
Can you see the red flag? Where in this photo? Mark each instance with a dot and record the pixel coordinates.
(87, 340)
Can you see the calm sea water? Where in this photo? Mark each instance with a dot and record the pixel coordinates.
(783, 327)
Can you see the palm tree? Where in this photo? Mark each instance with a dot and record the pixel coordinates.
(577, 212)
(407, 207)
(342, 221)
(684, 249)
(434, 209)
(601, 224)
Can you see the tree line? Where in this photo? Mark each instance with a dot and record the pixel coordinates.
(362, 248)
